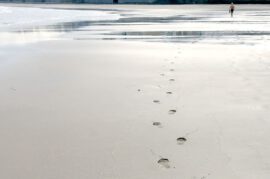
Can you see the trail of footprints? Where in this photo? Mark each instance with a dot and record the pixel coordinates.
(165, 162)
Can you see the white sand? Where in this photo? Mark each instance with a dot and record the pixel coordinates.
(84, 109)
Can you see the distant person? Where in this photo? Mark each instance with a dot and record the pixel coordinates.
(231, 9)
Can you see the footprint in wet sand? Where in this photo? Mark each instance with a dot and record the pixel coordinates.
(164, 162)
(156, 101)
(172, 111)
(158, 124)
(181, 140)
(169, 92)
(172, 79)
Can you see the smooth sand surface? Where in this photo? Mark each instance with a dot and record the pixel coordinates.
(134, 109)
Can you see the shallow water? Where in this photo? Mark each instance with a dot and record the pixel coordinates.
(210, 23)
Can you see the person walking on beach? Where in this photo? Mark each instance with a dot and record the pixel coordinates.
(231, 9)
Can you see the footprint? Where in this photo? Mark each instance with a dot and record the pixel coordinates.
(172, 111)
(139, 90)
(158, 124)
(181, 140)
(171, 69)
(164, 162)
(156, 101)
(172, 79)
(169, 92)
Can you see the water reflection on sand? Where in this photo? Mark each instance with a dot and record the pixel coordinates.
(248, 27)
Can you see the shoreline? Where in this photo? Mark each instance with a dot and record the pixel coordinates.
(137, 98)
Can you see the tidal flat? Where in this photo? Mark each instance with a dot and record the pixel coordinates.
(134, 91)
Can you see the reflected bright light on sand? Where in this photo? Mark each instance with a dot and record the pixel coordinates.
(18, 38)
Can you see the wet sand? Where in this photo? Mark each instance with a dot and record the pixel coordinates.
(92, 102)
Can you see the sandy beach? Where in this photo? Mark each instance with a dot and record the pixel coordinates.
(135, 92)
